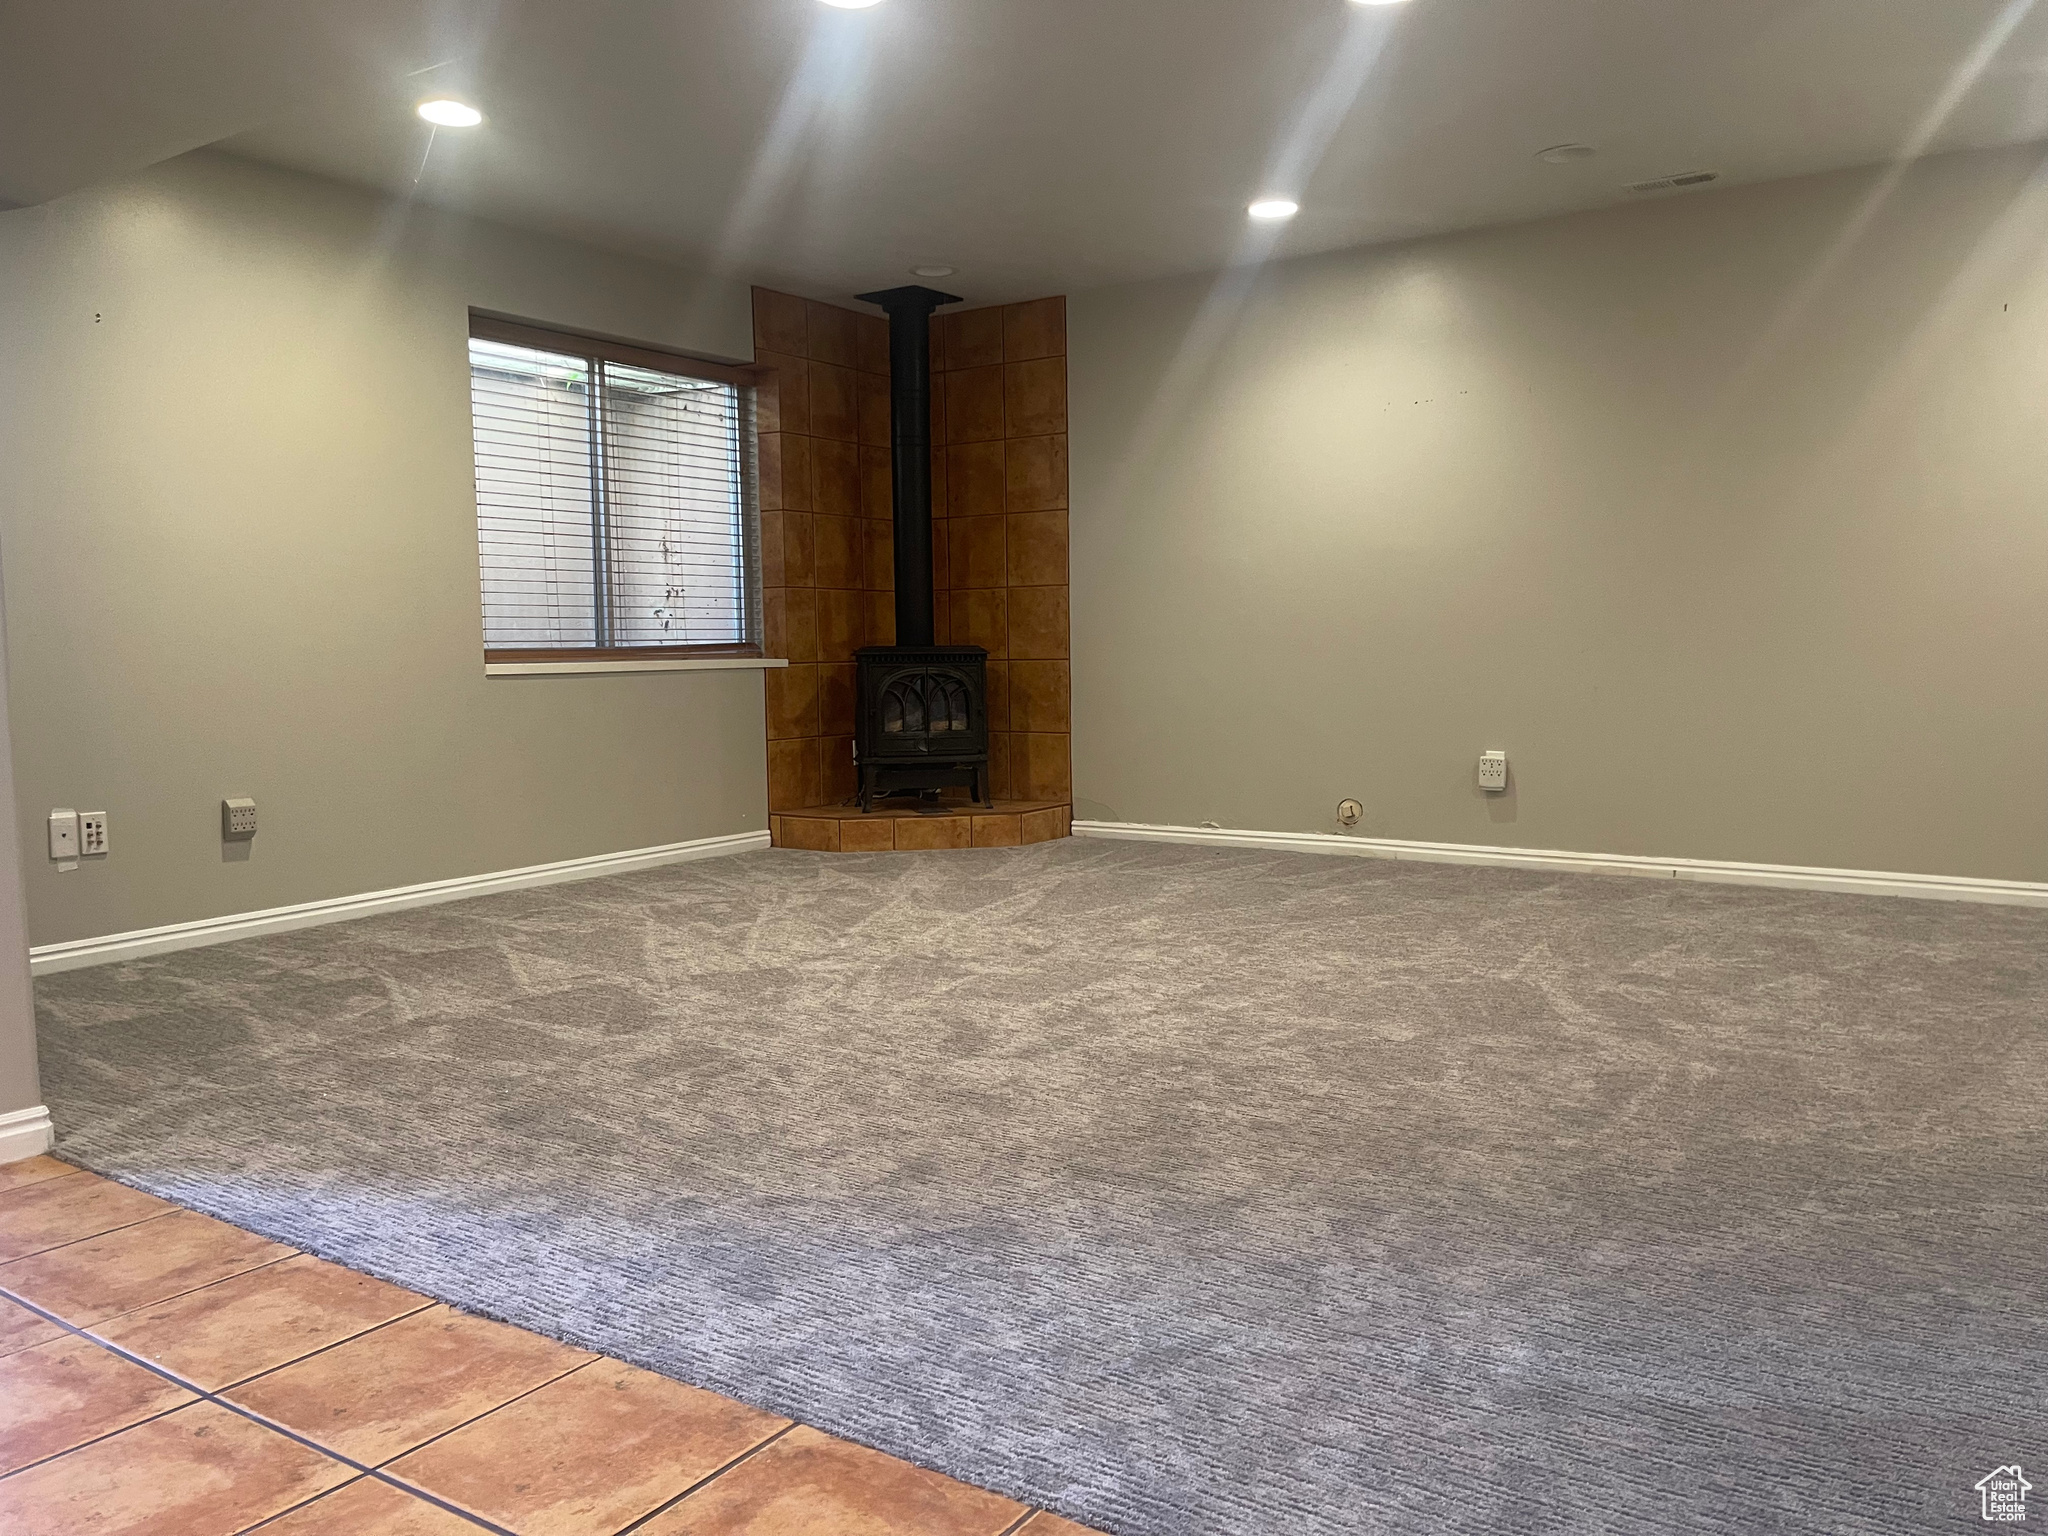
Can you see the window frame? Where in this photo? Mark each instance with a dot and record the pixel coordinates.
(485, 325)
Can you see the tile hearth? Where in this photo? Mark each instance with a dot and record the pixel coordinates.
(848, 829)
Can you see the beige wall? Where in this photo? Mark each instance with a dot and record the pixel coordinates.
(1726, 516)
(240, 554)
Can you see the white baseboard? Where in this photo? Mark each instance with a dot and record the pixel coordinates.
(25, 1133)
(46, 959)
(1862, 882)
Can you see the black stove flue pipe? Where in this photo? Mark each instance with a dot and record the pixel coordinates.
(910, 437)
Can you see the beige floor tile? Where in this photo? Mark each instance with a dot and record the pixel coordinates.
(809, 1484)
(136, 1266)
(31, 1170)
(367, 1507)
(383, 1393)
(201, 1471)
(21, 1328)
(233, 1329)
(588, 1454)
(68, 1391)
(51, 1212)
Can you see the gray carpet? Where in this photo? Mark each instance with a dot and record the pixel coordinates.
(1182, 1191)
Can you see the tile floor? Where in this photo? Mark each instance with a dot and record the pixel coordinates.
(165, 1373)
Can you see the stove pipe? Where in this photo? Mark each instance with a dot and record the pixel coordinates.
(910, 437)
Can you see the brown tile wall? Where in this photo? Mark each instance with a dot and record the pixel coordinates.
(999, 505)
(999, 508)
(827, 571)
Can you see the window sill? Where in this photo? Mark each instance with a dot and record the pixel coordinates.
(654, 664)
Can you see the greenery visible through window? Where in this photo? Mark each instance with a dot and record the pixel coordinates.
(613, 496)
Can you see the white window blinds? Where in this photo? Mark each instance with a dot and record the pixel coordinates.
(614, 502)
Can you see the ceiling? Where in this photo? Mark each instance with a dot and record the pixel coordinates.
(1037, 145)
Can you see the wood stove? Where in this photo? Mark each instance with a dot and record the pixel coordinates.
(923, 722)
(923, 707)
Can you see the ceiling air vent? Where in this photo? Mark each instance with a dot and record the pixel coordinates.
(1673, 183)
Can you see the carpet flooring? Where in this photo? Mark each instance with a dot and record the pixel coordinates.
(1186, 1192)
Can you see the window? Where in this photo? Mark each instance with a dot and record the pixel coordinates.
(614, 499)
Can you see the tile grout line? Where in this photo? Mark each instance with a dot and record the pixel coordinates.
(115, 1317)
(257, 1419)
(271, 1370)
(394, 1477)
(88, 1329)
(377, 1470)
(709, 1477)
(44, 1461)
(69, 1169)
(293, 1509)
(69, 1172)
(73, 1242)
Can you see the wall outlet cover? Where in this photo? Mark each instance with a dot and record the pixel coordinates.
(237, 819)
(92, 833)
(64, 833)
(1493, 770)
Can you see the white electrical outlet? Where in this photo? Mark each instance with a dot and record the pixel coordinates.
(64, 834)
(92, 833)
(1493, 770)
(237, 818)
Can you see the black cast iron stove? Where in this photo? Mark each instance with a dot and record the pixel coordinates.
(923, 721)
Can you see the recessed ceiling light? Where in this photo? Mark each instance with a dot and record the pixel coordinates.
(934, 270)
(443, 112)
(1565, 154)
(1274, 208)
(852, 5)
(1376, 2)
